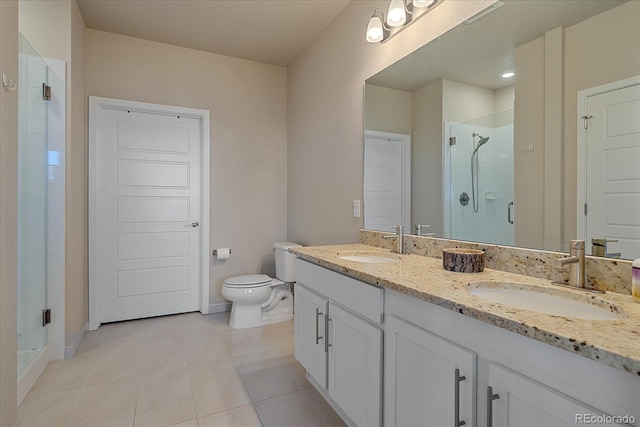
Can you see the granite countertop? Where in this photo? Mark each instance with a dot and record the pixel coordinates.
(612, 342)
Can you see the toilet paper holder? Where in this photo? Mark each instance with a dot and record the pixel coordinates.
(215, 252)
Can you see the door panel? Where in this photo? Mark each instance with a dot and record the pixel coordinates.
(149, 175)
(310, 310)
(384, 175)
(527, 403)
(613, 175)
(420, 378)
(355, 366)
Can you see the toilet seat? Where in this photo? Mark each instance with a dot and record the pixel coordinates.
(249, 281)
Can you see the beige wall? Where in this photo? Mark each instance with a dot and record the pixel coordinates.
(248, 106)
(600, 50)
(462, 102)
(8, 212)
(426, 157)
(504, 99)
(528, 130)
(387, 110)
(76, 250)
(325, 115)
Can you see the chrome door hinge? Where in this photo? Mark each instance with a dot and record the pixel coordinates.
(46, 92)
(46, 316)
(452, 140)
(585, 208)
(586, 121)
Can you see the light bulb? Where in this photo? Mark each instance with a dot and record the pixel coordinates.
(396, 16)
(374, 30)
(423, 3)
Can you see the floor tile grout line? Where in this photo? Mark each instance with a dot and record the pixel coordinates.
(274, 344)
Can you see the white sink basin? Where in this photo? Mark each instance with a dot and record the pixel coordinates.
(367, 257)
(547, 301)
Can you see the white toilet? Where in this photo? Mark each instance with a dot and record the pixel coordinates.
(259, 300)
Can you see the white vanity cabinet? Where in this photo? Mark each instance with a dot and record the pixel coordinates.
(513, 399)
(510, 380)
(310, 332)
(338, 340)
(429, 381)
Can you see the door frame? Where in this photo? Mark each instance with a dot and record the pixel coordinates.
(583, 98)
(95, 106)
(405, 140)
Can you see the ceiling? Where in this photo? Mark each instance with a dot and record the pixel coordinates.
(478, 52)
(269, 31)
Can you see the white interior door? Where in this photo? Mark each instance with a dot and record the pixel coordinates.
(146, 213)
(613, 170)
(386, 181)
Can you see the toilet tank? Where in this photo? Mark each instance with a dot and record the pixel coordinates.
(285, 261)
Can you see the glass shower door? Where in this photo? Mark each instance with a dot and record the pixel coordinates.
(480, 179)
(32, 206)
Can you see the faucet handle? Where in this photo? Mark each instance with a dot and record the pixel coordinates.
(398, 229)
(418, 229)
(576, 244)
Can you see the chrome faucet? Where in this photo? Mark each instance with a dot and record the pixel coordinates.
(399, 235)
(420, 227)
(576, 262)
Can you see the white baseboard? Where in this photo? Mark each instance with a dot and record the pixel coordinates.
(219, 307)
(32, 373)
(70, 350)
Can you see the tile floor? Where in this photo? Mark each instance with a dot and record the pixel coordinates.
(186, 370)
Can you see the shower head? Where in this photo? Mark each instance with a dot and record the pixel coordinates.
(483, 140)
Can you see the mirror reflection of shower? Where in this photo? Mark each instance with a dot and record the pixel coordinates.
(476, 205)
(474, 176)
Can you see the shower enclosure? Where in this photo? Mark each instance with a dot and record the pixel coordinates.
(478, 179)
(41, 140)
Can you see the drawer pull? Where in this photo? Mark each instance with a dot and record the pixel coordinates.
(318, 337)
(457, 379)
(326, 342)
(490, 398)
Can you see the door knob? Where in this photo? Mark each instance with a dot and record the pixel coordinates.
(194, 224)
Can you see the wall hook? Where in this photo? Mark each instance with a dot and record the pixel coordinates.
(8, 84)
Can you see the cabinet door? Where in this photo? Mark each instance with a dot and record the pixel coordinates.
(355, 366)
(310, 310)
(423, 378)
(523, 402)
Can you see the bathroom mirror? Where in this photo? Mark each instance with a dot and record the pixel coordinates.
(452, 145)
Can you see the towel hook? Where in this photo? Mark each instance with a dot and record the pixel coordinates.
(8, 84)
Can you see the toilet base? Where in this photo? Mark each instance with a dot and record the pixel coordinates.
(253, 315)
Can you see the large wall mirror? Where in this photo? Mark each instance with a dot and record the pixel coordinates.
(548, 154)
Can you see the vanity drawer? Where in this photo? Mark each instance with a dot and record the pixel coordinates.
(362, 298)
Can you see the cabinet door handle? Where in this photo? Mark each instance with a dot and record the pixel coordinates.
(457, 379)
(326, 342)
(318, 337)
(490, 398)
(509, 219)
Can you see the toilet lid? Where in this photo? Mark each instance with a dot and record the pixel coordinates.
(250, 280)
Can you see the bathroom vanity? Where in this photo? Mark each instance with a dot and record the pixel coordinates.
(396, 340)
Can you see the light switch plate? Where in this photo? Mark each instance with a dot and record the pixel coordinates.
(356, 208)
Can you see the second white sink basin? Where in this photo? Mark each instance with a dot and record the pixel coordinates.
(367, 257)
(547, 301)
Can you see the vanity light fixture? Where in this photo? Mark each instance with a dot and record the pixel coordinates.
(507, 74)
(400, 14)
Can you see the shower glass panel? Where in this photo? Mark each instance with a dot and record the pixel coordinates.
(32, 205)
(479, 185)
